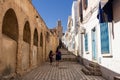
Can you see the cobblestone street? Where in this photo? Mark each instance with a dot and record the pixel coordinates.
(65, 71)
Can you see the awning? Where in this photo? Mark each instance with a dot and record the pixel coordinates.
(108, 9)
(105, 6)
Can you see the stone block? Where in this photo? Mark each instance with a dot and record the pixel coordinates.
(85, 71)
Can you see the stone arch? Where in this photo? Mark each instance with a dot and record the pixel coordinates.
(27, 33)
(10, 25)
(35, 37)
(35, 47)
(41, 39)
(26, 46)
(9, 41)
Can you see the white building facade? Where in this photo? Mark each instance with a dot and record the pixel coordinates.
(97, 37)
(71, 34)
(100, 41)
(75, 26)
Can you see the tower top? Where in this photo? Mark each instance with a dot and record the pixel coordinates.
(59, 23)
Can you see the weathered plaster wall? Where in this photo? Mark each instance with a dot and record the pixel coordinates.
(9, 54)
(24, 56)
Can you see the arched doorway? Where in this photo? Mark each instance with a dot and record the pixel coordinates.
(26, 46)
(41, 45)
(35, 48)
(9, 42)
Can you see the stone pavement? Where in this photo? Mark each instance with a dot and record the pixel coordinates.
(65, 71)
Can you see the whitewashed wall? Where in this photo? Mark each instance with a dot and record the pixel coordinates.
(110, 64)
(93, 22)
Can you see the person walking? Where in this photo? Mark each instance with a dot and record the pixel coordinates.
(58, 56)
(51, 56)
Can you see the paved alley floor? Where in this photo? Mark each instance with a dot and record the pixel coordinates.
(65, 71)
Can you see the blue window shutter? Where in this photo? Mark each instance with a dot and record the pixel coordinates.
(86, 42)
(104, 37)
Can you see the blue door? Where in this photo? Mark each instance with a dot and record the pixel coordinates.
(94, 55)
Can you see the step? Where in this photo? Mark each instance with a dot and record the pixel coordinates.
(91, 69)
(95, 65)
(69, 59)
(94, 69)
(86, 71)
(97, 73)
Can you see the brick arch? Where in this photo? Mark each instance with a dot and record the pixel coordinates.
(9, 41)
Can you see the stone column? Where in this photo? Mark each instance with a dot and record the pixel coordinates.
(31, 52)
(19, 56)
(38, 55)
(44, 46)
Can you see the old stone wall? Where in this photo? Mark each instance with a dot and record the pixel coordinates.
(8, 56)
(23, 37)
(25, 56)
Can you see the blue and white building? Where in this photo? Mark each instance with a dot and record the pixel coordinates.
(100, 38)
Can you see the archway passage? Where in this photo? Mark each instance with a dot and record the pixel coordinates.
(9, 42)
(35, 48)
(26, 46)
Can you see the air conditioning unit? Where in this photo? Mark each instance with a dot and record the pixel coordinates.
(82, 30)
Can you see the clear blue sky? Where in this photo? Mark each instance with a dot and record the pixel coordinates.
(53, 10)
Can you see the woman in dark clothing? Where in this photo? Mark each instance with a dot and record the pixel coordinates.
(51, 57)
(58, 57)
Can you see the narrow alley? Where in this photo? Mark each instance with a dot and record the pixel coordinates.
(67, 70)
(87, 32)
